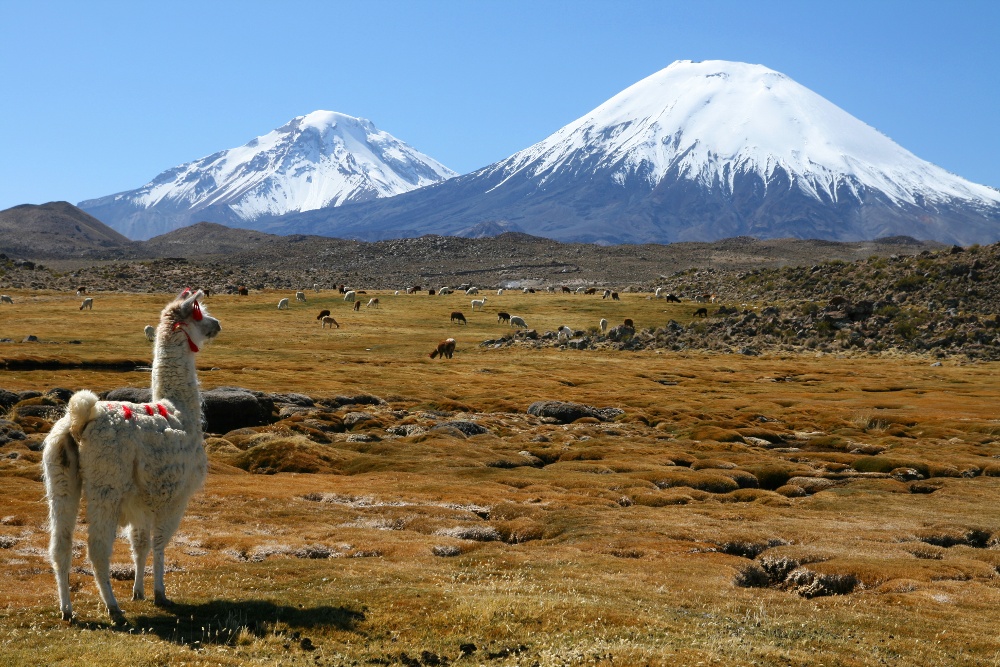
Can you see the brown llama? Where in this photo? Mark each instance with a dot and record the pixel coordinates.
(701, 312)
(357, 306)
(445, 349)
(323, 313)
(457, 316)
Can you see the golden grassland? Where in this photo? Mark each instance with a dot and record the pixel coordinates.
(633, 542)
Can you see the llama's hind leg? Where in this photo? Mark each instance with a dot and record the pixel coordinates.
(103, 520)
(163, 529)
(139, 537)
(62, 486)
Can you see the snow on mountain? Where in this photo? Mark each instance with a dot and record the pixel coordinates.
(314, 161)
(712, 120)
(698, 151)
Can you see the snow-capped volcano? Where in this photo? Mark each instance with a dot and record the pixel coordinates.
(710, 121)
(317, 160)
(696, 151)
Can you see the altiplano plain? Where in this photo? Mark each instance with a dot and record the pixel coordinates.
(783, 508)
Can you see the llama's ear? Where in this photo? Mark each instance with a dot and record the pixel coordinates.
(190, 304)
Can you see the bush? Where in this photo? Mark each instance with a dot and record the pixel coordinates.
(751, 576)
(910, 283)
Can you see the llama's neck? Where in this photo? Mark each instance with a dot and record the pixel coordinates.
(175, 379)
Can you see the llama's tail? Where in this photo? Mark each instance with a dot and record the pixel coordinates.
(81, 411)
(61, 457)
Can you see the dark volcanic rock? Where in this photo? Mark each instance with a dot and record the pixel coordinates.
(129, 395)
(229, 408)
(466, 427)
(7, 399)
(565, 413)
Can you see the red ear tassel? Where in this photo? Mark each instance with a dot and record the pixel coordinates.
(186, 292)
(196, 312)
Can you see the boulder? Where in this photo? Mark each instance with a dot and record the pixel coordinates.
(8, 399)
(466, 427)
(229, 408)
(565, 413)
(128, 395)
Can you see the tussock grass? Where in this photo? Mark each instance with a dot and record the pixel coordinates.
(724, 518)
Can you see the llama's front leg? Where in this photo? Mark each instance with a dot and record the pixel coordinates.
(100, 541)
(139, 537)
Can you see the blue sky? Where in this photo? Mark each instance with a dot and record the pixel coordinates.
(99, 97)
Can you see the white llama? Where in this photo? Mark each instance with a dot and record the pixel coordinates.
(136, 464)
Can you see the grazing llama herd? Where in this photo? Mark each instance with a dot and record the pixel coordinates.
(138, 464)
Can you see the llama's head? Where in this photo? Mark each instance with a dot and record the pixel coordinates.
(185, 320)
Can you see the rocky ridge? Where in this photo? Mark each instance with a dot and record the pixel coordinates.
(939, 303)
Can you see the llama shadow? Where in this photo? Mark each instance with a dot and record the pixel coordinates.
(225, 622)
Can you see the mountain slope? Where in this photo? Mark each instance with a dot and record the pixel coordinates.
(697, 151)
(318, 160)
(58, 230)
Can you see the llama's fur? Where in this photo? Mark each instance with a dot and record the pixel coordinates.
(457, 316)
(4, 298)
(150, 332)
(329, 320)
(517, 322)
(136, 464)
(283, 304)
(300, 296)
(604, 325)
(445, 349)
(323, 313)
(478, 302)
(350, 296)
(372, 302)
(88, 303)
